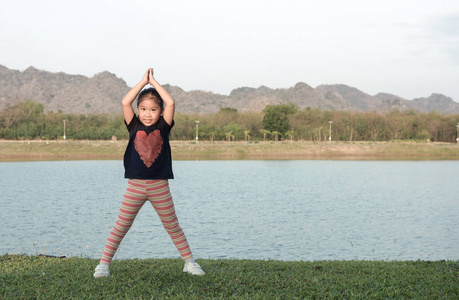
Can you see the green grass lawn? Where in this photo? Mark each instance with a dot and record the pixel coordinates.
(39, 277)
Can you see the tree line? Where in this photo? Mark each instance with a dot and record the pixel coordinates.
(28, 120)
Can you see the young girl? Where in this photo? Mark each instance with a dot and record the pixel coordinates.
(148, 166)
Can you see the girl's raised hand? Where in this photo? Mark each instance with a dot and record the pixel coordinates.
(145, 78)
(151, 79)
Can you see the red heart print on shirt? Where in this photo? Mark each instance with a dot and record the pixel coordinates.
(148, 146)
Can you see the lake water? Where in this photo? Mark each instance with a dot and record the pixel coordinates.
(283, 210)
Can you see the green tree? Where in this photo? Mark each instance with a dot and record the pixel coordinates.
(237, 133)
(229, 136)
(246, 135)
(276, 117)
(290, 134)
(264, 132)
(276, 135)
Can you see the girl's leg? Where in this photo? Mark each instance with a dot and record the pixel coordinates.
(133, 200)
(159, 195)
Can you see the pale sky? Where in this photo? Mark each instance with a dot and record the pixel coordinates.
(403, 47)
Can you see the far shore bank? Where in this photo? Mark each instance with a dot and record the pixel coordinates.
(190, 150)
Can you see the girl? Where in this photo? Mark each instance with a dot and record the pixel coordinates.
(148, 166)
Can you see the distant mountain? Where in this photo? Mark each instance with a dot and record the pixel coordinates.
(391, 102)
(436, 102)
(349, 98)
(103, 92)
(59, 91)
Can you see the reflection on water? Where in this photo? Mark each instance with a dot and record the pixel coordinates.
(288, 210)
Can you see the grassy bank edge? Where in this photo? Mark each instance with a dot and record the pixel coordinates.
(86, 150)
(25, 276)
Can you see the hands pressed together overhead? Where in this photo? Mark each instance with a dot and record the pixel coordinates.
(148, 77)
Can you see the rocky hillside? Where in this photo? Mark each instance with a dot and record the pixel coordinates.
(103, 92)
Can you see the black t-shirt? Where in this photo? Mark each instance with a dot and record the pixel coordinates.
(148, 153)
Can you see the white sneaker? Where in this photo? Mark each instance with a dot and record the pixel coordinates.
(193, 268)
(102, 270)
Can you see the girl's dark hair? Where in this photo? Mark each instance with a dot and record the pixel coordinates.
(150, 93)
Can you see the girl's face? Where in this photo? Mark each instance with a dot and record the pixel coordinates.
(149, 112)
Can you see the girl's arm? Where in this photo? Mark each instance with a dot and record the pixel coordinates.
(169, 103)
(126, 103)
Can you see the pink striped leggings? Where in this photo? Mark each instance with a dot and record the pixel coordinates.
(137, 193)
